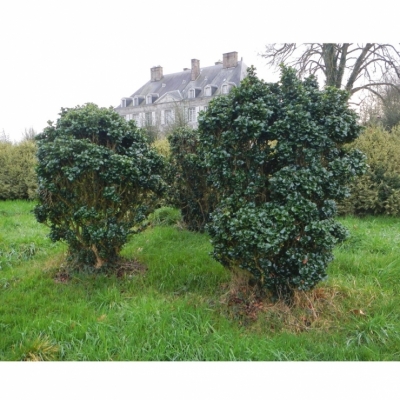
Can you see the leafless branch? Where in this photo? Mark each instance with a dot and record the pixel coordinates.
(351, 66)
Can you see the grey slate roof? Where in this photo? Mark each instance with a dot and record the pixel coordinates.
(178, 84)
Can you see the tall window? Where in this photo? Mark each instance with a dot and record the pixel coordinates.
(123, 103)
(191, 94)
(148, 120)
(224, 89)
(136, 101)
(168, 117)
(137, 119)
(207, 91)
(149, 100)
(192, 114)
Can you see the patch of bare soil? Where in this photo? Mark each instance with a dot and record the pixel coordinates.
(244, 304)
(62, 277)
(124, 269)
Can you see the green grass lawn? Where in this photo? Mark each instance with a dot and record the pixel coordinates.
(182, 305)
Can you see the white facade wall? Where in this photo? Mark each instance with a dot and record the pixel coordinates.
(158, 113)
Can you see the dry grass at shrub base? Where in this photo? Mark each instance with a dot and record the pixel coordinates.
(317, 309)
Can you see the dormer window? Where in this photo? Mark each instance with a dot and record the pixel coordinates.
(193, 92)
(137, 100)
(227, 86)
(209, 90)
(126, 102)
(151, 98)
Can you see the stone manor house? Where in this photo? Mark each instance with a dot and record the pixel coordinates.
(165, 98)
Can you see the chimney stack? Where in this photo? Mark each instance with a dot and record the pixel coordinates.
(156, 73)
(230, 60)
(195, 69)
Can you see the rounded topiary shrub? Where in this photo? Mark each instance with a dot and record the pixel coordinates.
(98, 179)
(276, 158)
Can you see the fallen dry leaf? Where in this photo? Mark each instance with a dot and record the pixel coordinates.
(358, 312)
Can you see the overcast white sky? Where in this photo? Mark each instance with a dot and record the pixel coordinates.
(60, 53)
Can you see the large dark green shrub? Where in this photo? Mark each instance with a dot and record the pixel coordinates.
(187, 178)
(378, 191)
(17, 170)
(275, 155)
(98, 178)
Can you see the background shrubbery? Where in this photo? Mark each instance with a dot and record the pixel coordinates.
(17, 170)
(375, 193)
(189, 189)
(164, 216)
(378, 191)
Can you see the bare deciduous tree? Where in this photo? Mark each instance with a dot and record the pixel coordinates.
(29, 134)
(349, 66)
(383, 108)
(4, 138)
